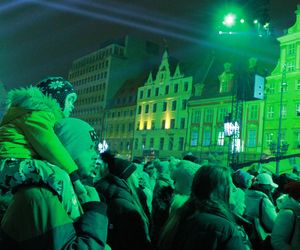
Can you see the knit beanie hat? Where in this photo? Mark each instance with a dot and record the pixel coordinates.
(76, 135)
(119, 167)
(242, 178)
(56, 87)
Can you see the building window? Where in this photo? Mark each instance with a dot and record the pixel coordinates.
(253, 112)
(206, 138)
(298, 85)
(147, 109)
(163, 124)
(181, 143)
(145, 125)
(270, 112)
(182, 123)
(222, 114)
(298, 109)
(164, 106)
(291, 49)
(172, 123)
(194, 136)
(152, 124)
(156, 91)
(154, 107)
(149, 93)
(167, 89)
(143, 143)
(136, 144)
(196, 116)
(290, 66)
(173, 105)
(184, 104)
(221, 138)
(161, 143)
(252, 138)
(139, 110)
(186, 86)
(208, 115)
(176, 88)
(141, 94)
(284, 111)
(171, 141)
(269, 138)
(151, 145)
(271, 89)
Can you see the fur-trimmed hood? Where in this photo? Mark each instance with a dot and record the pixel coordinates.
(24, 100)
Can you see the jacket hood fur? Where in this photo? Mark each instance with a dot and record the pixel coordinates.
(31, 98)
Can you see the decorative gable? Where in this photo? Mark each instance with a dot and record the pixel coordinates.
(226, 79)
(163, 73)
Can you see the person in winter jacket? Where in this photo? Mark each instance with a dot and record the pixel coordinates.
(29, 146)
(260, 195)
(205, 220)
(36, 217)
(128, 222)
(286, 230)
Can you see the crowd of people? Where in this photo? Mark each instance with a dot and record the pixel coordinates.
(57, 191)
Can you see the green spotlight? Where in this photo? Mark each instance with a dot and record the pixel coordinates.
(229, 20)
(220, 32)
(242, 20)
(255, 21)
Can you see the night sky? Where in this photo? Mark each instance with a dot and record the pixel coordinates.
(39, 38)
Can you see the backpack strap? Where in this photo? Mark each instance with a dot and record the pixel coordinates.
(260, 214)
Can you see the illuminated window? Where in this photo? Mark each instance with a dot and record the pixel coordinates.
(298, 85)
(270, 112)
(206, 138)
(269, 138)
(194, 136)
(284, 111)
(220, 138)
(252, 138)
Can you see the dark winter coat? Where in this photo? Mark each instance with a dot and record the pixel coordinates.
(126, 229)
(204, 231)
(36, 220)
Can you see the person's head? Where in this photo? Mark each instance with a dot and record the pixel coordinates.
(80, 140)
(293, 190)
(212, 183)
(242, 179)
(150, 169)
(264, 183)
(60, 90)
(183, 176)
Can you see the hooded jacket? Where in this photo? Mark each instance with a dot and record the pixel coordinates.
(126, 227)
(37, 220)
(26, 130)
(286, 230)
